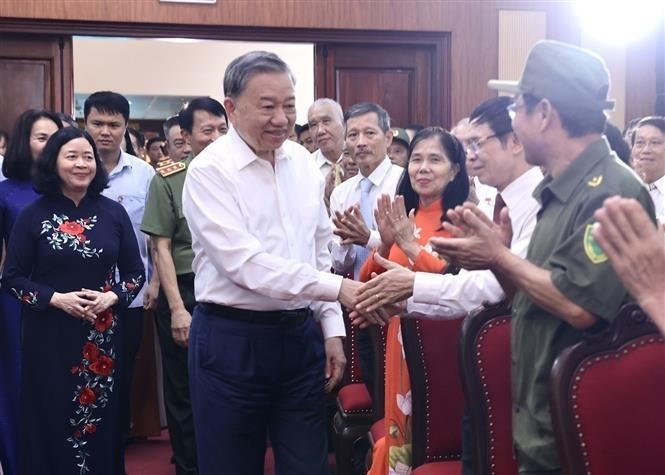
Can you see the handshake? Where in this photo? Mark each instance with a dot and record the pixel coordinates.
(374, 302)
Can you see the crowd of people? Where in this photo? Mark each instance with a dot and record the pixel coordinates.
(247, 235)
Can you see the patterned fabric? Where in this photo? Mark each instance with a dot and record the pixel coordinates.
(68, 415)
(392, 454)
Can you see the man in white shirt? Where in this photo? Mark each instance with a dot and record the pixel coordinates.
(649, 160)
(106, 115)
(497, 158)
(326, 127)
(352, 204)
(260, 232)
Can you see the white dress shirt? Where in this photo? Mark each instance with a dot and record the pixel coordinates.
(129, 182)
(385, 179)
(486, 195)
(2, 177)
(657, 193)
(323, 163)
(260, 235)
(448, 295)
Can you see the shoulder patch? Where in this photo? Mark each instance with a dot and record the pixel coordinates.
(595, 181)
(591, 247)
(171, 169)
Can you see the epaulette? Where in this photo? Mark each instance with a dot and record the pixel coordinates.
(170, 168)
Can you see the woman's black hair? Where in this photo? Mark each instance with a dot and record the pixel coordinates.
(18, 163)
(457, 191)
(46, 180)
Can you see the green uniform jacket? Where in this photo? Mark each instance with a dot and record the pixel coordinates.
(562, 244)
(163, 216)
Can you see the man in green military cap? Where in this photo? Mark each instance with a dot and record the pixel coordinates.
(201, 123)
(566, 286)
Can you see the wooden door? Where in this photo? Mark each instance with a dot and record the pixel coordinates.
(401, 78)
(36, 71)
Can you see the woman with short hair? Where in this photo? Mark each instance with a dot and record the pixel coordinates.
(64, 253)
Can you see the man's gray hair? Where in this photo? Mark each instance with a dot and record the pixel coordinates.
(363, 108)
(325, 101)
(244, 67)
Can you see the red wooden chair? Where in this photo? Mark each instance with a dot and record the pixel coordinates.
(608, 400)
(356, 411)
(484, 355)
(430, 348)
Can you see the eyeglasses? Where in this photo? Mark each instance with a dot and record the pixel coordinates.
(473, 146)
(513, 108)
(640, 144)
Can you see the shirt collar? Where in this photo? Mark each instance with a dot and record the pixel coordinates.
(565, 184)
(322, 161)
(660, 184)
(123, 162)
(245, 155)
(514, 194)
(379, 173)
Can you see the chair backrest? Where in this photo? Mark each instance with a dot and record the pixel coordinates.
(608, 399)
(484, 355)
(353, 372)
(430, 347)
(378, 336)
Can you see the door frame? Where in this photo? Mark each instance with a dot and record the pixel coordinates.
(438, 42)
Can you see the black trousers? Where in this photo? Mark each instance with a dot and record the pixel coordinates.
(130, 325)
(250, 379)
(176, 381)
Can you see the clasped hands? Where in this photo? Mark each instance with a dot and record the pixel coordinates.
(475, 243)
(84, 304)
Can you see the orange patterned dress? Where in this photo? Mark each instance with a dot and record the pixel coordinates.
(392, 454)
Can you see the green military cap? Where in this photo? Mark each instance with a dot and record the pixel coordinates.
(400, 135)
(571, 77)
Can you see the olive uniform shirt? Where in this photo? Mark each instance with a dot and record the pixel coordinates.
(562, 244)
(163, 214)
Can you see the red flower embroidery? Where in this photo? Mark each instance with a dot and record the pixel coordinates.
(90, 352)
(82, 238)
(87, 396)
(71, 227)
(77, 434)
(89, 429)
(130, 286)
(74, 369)
(104, 321)
(103, 366)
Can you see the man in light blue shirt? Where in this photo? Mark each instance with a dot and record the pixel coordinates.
(106, 115)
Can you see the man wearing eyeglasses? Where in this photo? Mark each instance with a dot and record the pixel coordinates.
(566, 286)
(649, 159)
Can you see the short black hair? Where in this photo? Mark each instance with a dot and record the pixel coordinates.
(457, 191)
(152, 140)
(494, 113)
(630, 127)
(617, 143)
(363, 108)
(67, 119)
(208, 104)
(297, 128)
(18, 162)
(107, 102)
(138, 135)
(46, 180)
(4, 135)
(577, 122)
(303, 128)
(416, 127)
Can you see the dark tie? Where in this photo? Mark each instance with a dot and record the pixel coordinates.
(499, 204)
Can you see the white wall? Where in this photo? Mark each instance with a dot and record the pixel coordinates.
(196, 68)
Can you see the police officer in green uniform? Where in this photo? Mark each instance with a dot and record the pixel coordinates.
(566, 286)
(201, 122)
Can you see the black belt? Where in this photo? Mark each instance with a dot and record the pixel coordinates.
(262, 317)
